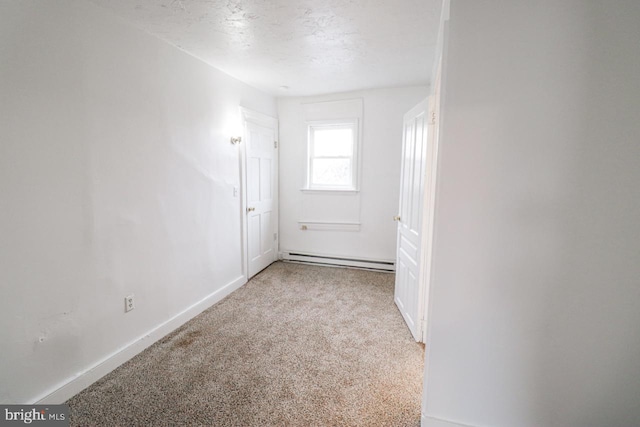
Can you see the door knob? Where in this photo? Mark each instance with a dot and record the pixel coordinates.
(251, 209)
(396, 218)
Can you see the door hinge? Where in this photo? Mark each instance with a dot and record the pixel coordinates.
(275, 144)
(432, 110)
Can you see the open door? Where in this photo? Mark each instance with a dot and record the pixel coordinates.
(416, 175)
(261, 203)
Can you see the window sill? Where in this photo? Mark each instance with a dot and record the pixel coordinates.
(328, 191)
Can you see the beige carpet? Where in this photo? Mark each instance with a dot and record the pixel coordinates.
(296, 346)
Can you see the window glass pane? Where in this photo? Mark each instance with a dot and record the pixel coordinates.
(332, 172)
(332, 142)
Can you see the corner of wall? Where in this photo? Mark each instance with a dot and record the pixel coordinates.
(76, 384)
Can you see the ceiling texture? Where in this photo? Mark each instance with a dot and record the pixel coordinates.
(298, 47)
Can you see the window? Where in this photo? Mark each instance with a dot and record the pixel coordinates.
(332, 162)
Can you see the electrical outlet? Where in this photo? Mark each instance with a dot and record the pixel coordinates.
(129, 303)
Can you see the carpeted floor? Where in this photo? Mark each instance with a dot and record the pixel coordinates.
(296, 346)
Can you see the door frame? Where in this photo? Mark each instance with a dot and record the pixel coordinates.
(261, 119)
(428, 213)
(438, 91)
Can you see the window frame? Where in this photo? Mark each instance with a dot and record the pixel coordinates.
(312, 126)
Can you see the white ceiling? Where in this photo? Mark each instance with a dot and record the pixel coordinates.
(310, 46)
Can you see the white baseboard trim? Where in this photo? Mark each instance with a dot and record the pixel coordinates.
(337, 261)
(84, 379)
(427, 421)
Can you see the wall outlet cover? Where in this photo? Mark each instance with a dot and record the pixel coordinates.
(129, 303)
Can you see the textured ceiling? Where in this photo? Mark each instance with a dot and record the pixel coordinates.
(310, 46)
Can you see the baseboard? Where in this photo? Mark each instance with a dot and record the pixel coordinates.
(74, 385)
(338, 261)
(428, 421)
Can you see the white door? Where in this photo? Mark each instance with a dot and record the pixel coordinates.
(261, 191)
(409, 261)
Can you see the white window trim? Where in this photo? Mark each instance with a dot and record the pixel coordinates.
(355, 162)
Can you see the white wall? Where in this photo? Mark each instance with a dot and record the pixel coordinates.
(377, 201)
(116, 177)
(535, 302)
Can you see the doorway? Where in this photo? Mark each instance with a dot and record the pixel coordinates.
(260, 185)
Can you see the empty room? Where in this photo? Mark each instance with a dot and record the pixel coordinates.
(320, 213)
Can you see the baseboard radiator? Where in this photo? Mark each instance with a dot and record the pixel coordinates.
(386, 266)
